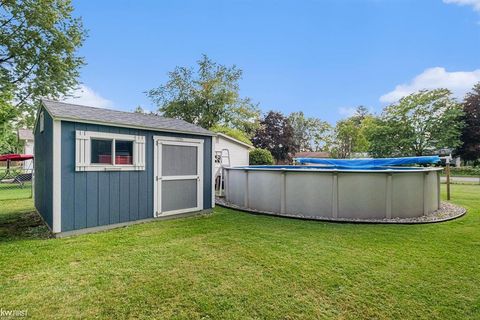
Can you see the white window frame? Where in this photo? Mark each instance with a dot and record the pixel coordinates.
(159, 141)
(83, 148)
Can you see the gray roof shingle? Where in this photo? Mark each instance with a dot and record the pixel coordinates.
(81, 113)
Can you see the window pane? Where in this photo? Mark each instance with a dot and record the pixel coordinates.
(179, 194)
(123, 152)
(179, 160)
(101, 151)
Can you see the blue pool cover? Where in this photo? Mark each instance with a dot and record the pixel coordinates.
(370, 162)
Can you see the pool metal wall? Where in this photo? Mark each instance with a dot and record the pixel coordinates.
(335, 194)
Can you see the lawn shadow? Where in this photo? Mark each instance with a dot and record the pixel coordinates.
(23, 226)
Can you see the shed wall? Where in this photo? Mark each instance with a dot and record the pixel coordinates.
(91, 199)
(44, 169)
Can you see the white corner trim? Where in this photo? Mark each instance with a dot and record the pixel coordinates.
(157, 158)
(57, 177)
(213, 172)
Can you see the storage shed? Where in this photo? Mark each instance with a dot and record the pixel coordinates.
(99, 168)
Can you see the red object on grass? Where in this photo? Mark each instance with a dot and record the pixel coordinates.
(15, 157)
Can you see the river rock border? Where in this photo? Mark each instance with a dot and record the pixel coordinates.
(447, 211)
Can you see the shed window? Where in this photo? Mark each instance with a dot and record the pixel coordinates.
(101, 151)
(123, 152)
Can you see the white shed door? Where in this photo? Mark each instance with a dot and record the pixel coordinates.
(178, 175)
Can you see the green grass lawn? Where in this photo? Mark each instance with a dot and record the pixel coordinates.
(231, 265)
(10, 191)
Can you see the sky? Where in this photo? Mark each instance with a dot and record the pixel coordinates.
(320, 57)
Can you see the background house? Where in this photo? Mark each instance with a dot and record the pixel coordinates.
(229, 152)
(99, 168)
(311, 154)
(26, 142)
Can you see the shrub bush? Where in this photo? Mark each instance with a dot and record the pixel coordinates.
(464, 171)
(260, 156)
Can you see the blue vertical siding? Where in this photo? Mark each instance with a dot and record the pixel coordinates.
(92, 199)
(104, 196)
(207, 173)
(44, 169)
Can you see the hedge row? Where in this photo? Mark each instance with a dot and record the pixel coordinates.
(465, 171)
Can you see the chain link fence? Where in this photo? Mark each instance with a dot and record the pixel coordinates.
(16, 183)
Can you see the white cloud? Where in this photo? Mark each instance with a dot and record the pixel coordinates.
(474, 3)
(85, 95)
(459, 83)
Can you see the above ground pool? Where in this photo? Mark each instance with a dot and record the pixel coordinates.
(335, 192)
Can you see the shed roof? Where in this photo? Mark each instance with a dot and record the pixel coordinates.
(79, 113)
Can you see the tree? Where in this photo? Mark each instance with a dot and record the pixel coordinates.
(361, 113)
(38, 44)
(8, 114)
(8, 138)
(260, 157)
(207, 96)
(243, 116)
(345, 136)
(309, 134)
(139, 109)
(234, 133)
(350, 135)
(276, 135)
(322, 135)
(418, 124)
(470, 150)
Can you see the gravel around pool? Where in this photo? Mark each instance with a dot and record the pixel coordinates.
(447, 211)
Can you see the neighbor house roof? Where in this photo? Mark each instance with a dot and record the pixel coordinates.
(79, 113)
(309, 154)
(234, 140)
(25, 134)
